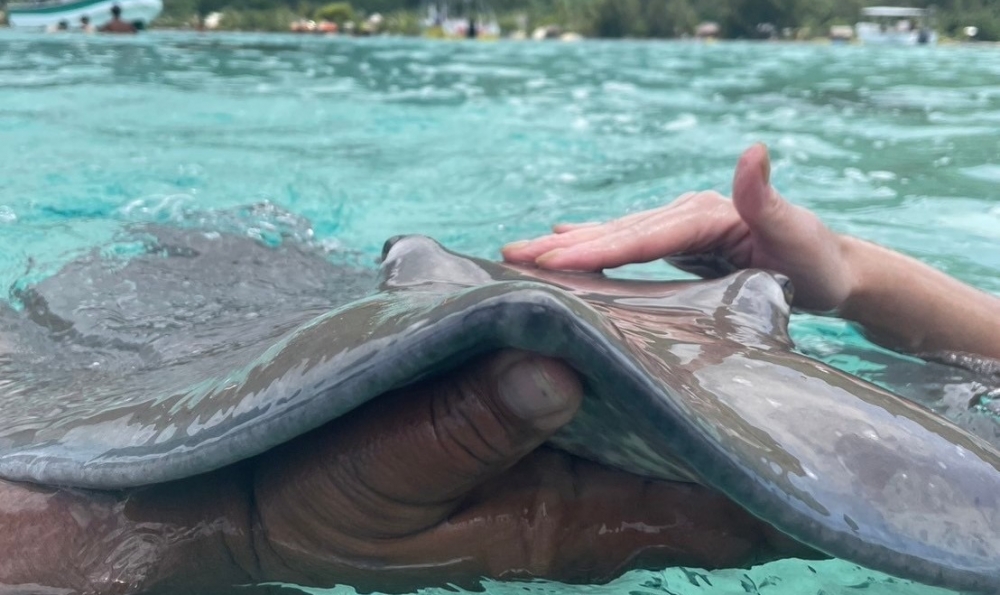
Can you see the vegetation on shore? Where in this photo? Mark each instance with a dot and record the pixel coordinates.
(596, 18)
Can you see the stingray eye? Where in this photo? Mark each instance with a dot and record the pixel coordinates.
(786, 287)
(387, 246)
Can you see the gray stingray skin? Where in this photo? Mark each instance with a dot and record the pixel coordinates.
(689, 381)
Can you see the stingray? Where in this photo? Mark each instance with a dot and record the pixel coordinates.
(205, 350)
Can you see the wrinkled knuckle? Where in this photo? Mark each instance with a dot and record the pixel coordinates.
(685, 198)
(467, 428)
(713, 196)
(699, 199)
(780, 209)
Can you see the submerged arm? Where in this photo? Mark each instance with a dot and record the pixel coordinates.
(183, 537)
(907, 304)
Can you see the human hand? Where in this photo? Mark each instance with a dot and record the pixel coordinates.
(445, 483)
(756, 229)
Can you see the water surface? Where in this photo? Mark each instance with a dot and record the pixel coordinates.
(343, 143)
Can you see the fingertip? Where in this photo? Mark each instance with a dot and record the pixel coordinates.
(752, 183)
(567, 227)
(757, 156)
(513, 252)
(542, 391)
(765, 162)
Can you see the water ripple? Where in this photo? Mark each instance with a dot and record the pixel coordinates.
(347, 142)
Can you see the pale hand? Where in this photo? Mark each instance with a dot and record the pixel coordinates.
(756, 229)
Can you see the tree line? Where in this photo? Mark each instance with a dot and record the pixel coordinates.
(736, 19)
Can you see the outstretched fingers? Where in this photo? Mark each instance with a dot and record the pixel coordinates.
(580, 522)
(528, 251)
(639, 242)
(694, 223)
(567, 235)
(626, 220)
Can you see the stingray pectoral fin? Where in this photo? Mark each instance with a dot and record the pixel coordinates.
(833, 461)
(702, 386)
(850, 469)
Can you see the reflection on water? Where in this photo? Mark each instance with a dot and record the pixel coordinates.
(480, 144)
(789, 577)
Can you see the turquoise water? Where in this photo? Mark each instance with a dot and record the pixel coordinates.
(348, 142)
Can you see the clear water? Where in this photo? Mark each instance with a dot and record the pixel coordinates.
(348, 142)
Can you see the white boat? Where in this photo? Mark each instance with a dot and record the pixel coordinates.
(48, 14)
(896, 25)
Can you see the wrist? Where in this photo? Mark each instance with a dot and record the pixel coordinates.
(201, 528)
(185, 537)
(877, 279)
(856, 255)
(907, 305)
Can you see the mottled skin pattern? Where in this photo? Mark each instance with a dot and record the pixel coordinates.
(691, 381)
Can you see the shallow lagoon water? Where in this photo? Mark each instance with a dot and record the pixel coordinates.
(347, 142)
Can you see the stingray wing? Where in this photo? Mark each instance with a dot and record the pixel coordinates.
(688, 381)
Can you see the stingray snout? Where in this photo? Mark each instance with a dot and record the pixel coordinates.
(755, 288)
(787, 287)
(387, 246)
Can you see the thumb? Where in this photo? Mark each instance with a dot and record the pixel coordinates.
(758, 204)
(402, 463)
(476, 423)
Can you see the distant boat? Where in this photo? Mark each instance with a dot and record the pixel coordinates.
(896, 25)
(48, 14)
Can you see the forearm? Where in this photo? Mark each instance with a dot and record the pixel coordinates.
(187, 537)
(906, 304)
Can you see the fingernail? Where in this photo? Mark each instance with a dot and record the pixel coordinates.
(533, 395)
(548, 256)
(765, 165)
(517, 245)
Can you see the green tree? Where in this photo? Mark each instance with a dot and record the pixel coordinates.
(658, 22)
(986, 18)
(337, 12)
(718, 11)
(746, 15)
(618, 18)
(403, 22)
(252, 19)
(669, 18)
(607, 18)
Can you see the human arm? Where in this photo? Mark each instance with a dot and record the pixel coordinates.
(439, 483)
(55, 540)
(909, 305)
(900, 301)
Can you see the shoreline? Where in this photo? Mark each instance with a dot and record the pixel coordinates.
(943, 41)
